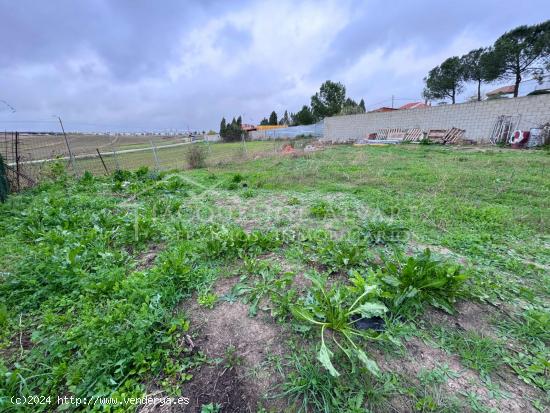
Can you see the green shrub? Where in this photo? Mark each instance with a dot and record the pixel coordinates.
(196, 155)
(321, 209)
(411, 283)
(4, 185)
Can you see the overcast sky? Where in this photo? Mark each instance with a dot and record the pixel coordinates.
(156, 65)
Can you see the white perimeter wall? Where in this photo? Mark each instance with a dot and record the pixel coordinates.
(477, 118)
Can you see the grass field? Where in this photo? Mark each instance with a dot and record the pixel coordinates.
(353, 279)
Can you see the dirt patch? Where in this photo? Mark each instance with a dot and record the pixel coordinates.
(239, 349)
(221, 385)
(421, 356)
(146, 259)
(470, 316)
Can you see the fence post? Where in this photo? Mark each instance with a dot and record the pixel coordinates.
(102, 161)
(115, 155)
(71, 157)
(155, 155)
(17, 170)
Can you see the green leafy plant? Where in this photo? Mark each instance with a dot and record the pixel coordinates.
(207, 299)
(332, 309)
(264, 284)
(211, 408)
(410, 283)
(293, 201)
(321, 209)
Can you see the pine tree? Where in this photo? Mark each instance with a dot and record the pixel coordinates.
(239, 121)
(285, 120)
(223, 127)
(4, 186)
(273, 118)
(362, 105)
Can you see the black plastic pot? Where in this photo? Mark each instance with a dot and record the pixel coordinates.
(373, 323)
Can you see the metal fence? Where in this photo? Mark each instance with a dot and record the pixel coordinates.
(31, 157)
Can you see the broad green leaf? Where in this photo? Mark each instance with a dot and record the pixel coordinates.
(391, 280)
(369, 363)
(368, 310)
(370, 288)
(324, 357)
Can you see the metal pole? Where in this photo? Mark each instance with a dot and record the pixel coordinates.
(17, 160)
(102, 161)
(71, 157)
(117, 166)
(155, 155)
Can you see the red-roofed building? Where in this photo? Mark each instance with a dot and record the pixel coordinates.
(501, 91)
(414, 105)
(383, 109)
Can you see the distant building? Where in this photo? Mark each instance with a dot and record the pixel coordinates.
(500, 92)
(383, 109)
(414, 105)
(247, 127)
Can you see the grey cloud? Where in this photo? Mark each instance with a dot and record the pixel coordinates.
(107, 64)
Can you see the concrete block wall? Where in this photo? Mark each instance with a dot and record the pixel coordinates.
(476, 118)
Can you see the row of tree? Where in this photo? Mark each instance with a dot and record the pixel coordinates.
(522, 51)
(330, 100)
(232, 131)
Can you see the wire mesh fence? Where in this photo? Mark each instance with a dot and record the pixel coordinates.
(30, 158)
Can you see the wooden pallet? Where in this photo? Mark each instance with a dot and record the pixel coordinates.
(395, 135)
(384, 133)
(436, 135)
(413, 135)
(453, 136)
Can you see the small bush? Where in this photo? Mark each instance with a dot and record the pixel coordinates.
(321, 209)
(4, 186)
(196, 156)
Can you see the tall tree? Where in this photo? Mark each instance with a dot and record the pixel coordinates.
(239, 121)
(329, 100)
(303, 117)
(362, 105)
(523, 50)
(445, 81)
(285, 120)
(273, 118)
(264, 121)
(223, 126)
(351, 107)
(477, 67)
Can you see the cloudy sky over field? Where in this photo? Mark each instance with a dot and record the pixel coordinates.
(134, 65)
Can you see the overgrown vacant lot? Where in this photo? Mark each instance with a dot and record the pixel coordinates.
(410, 278)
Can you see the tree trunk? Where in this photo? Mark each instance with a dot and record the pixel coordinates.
(453, 97)
(479, 90)
(516, 86)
